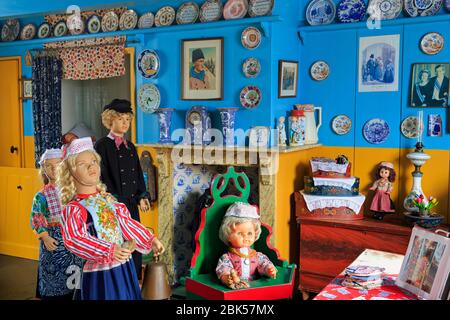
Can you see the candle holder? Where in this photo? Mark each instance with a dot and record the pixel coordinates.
(164, 119)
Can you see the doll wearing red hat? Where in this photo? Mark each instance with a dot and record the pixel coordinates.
(383, 187)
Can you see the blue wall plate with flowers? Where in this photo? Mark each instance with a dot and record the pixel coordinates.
(376, 131)
(422, 8)
(351, 10)
(320, 12)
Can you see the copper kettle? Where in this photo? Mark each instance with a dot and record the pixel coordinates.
(155, 284)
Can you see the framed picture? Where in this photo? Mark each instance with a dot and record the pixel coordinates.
(202, 69)
(287, 78)
(379, 63)
(27, 89)
(425, 269)
(259, 137)
(429, 85)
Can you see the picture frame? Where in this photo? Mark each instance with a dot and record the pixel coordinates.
(27, 89)
(259, 136)
(425, 269)
(287, 78)
(378, 64)
(425, 79)
(202, 69)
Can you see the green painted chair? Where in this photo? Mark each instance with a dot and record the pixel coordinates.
(202, 283)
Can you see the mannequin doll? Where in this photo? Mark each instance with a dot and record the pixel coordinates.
(381, 202)
(58, 269)
(121, 171)
(100, 229)
(239, 230)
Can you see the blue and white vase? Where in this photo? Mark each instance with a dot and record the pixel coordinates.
(227, 116)
(164, 119)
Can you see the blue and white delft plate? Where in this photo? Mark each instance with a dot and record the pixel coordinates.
(376, 131)
(320, 12)
(384, 9)
(149, 98)
(447, 5)
(148, 63)
(351, 10)
(422, 8)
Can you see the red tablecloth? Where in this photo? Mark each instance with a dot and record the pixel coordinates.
(388, 291)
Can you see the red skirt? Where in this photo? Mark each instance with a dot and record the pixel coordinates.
(381, 202)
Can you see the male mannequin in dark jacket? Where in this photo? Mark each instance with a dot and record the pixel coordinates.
(121, 171)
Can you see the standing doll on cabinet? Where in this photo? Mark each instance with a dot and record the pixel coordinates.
(58, 269)
(121, 171)
(383, 187)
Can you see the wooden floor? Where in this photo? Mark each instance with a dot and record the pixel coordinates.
(17, 278)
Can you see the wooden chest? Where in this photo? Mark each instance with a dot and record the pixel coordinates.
(327, 247)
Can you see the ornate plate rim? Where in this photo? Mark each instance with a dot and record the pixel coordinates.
(182, 7)
(315, 63)
(113, 14)
(427, 34)
(32, 25)
(334, 121)
(49, 30)
(373, 120)
(56, 27)
(142, 17)
(245, 32)
(205, 4)
(245, 71)
(228, 4)
(362, 17)
(369, 9)
(308, 8)
(158, 14)
(247, 89)
(403, 130)
(141, 90)
(92, 17)
(140, 57)
(251, 3)
(125, 13)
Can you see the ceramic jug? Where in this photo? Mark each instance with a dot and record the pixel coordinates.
(311, 128)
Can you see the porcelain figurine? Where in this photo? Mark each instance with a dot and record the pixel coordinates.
(383, 187)
(281, 131)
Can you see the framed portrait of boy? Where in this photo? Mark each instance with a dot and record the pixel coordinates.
(27, 89)
(430, 85)
(202, 69)
(287, 78)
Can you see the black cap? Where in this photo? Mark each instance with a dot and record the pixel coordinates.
(197, 54)
(119, 105)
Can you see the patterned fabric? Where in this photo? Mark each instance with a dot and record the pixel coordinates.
(258, 265)
(53, 19)
(93, 227)
(90, 59)
(59, 270)
(47, 74)
(321, 202)
(387, 291)
(118, 140)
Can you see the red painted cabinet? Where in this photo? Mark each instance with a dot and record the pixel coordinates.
(327, 246)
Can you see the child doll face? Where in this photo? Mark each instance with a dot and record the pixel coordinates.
(87, 170)
(50, 168)
(384, 173)
(121, 123)
(242, 235)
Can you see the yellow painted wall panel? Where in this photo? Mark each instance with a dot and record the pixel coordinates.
(29, 151)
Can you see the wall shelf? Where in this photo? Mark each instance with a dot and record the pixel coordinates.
(384, 23)
(262, 21)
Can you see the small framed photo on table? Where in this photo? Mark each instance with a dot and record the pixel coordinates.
(287, 78)
(27, 89)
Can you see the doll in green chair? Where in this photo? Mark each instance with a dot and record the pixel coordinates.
(240, 228)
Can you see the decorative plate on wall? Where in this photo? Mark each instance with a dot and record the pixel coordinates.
(376, 131)
(384, 9)
(149, 98)
(128, 20)
(351, 10)
(320, 70)
(447, 5)
(28, 32)
(146, 20)
(422, 8)
(187, 13)
(60, 29)
(251, 38)
(44, 30)
(110, 22)
(257, 8)
(235, 9)
(211, 10)
(75, 24)
(165, 16)
(94, 24)
(148, 63)
(250, 97)
(10, 30)
(432, 43)
(410, 127)
(341, 124)
(251, 68)
(320, 12)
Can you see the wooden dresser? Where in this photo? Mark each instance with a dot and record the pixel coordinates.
(328, 246)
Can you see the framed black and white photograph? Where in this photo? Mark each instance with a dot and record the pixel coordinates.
(27, 89)
(287, 78)
(430, 85)
(202, 69)
(379, 63)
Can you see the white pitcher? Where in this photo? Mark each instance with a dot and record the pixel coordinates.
(312, 130)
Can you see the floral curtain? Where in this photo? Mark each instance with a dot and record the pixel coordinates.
(91, 59)
(47, 75)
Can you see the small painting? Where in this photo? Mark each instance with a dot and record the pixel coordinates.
(27, 89)
(287, 78)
